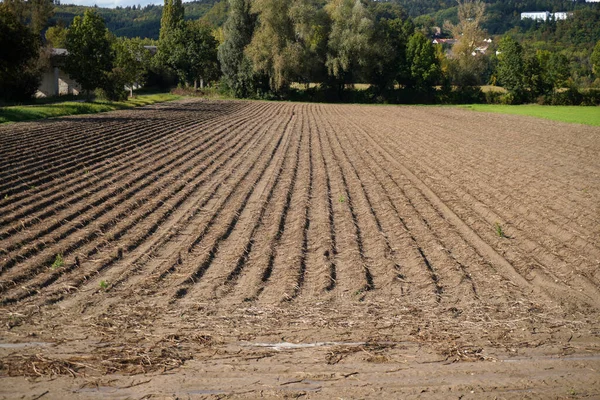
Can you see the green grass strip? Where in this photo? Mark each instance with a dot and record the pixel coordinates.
(43, 111)
(573, 114)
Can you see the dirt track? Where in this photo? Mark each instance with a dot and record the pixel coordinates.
(250, 248)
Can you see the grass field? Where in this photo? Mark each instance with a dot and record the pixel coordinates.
(35, 112)
(573, 114)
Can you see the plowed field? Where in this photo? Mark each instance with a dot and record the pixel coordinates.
(251, 249)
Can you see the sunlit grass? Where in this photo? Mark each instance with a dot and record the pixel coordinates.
(43, 111)
(573, 114)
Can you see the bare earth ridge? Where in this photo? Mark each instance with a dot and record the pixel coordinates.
(225, 249)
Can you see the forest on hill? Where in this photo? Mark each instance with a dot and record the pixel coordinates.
(138, 21)
(501, 16)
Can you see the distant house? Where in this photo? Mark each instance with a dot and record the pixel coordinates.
(55, 82)
(561, 15)
(154, 49)
(480, 49)
(536, 15)
(449, 42)
(545, 15)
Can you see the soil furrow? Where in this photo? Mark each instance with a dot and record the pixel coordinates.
(127, 189)
(102, 175)
(120, 274)
(221, 279)
(226, 230)
(189, 186)
(128, 194)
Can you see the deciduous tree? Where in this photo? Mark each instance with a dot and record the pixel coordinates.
(91, 56)
(424, 63)
(132, 60)
(192, 52)
(236, 66)
(172, 17)
(56, 36)
(19, 72)
(392, 31)
(511, 67)
(468, 64)
(349, 49)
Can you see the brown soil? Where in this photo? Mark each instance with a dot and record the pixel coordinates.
(218, 249)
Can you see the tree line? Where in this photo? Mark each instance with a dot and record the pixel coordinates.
(271, 47)
(296, 49)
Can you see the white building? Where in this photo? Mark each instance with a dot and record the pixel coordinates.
(561, 15)
(55, 82)
(545, 15)
(536, 15)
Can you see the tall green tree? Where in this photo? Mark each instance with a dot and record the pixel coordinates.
(236, 66)
(20, 74)
(172, 17)
(424, 63)
(131, 61)
(90, 58)
(193, 52)
(534, 83)
(349, 46)
(511, 67)
(392, 31)
(554, 69)
(270, 49)
(311, 26)
(595, 59)
(171, 24)
(286, 41)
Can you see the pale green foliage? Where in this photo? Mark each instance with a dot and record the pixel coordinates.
(287, 40)
(352, 27)
(595, 59)
(131, 60)
(56, 36)
(271, 49)
(468, 32)
(58, 262)
(311, 27)
(468, 65)
(172, 17)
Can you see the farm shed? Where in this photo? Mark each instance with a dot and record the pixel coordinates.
(55, 81)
